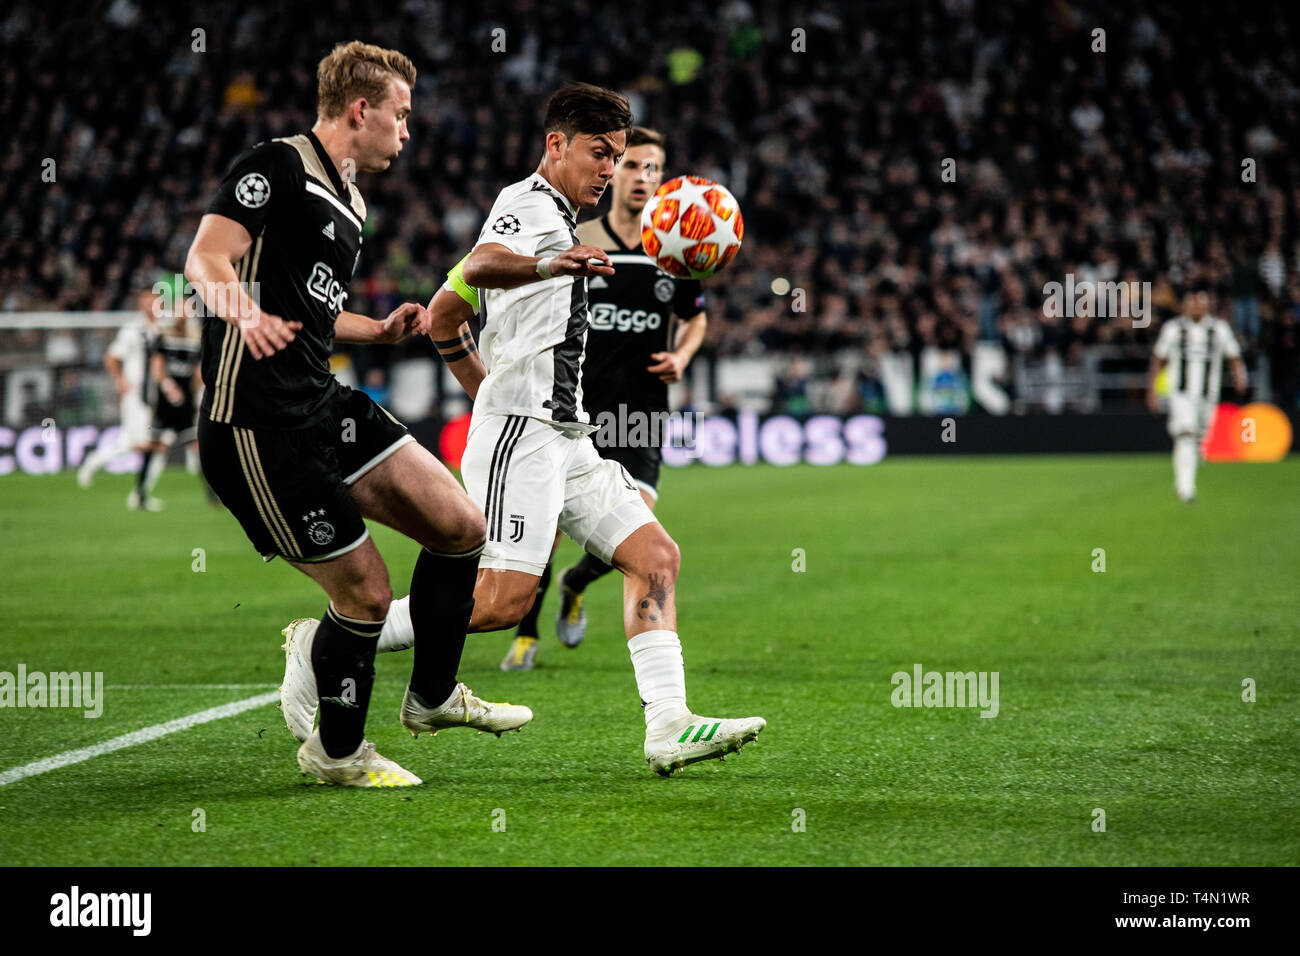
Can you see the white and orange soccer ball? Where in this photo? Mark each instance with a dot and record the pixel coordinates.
(692, 227)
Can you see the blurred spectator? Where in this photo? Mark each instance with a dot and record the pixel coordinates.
(1127, 163)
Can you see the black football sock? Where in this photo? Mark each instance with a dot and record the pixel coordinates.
(528, 626)
(343, 658)
(584, 572)
(442, 600)
(142, 476)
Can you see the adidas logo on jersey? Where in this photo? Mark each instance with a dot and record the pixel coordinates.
(328, 231)
(597, 282)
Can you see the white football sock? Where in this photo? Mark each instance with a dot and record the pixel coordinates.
(660, 677)
(101, 456)
(398, 633)
(1185, 459)
(192, 459)
(156, 465)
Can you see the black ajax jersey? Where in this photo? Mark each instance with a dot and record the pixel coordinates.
(631, 317)
(306, 228)
(180, 356)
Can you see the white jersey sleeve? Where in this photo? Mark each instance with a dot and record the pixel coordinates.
(131, 348)
(1165, 340)
(127, 338)
(526, 223)
(1231, 348)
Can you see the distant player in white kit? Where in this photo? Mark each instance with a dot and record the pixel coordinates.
(127, 361)
(1193, 345)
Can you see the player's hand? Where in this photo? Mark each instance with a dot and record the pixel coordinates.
(265, 334)
(123, 387)
(172, 392)
(406, 320)
(668, 366)
(578, 262)
(1153, 402)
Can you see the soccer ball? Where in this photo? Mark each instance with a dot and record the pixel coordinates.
(691, 227)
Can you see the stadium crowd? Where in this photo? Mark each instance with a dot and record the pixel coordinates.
(1127, 155)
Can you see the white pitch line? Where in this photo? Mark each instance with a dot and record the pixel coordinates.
(46, 764)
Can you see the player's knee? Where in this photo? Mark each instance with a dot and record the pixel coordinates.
(506, 611)
(662, 558)
(517, 606)
(469, 530)
(371, 600)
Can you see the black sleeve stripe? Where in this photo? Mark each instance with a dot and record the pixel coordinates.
(452, 343)
(450, 357)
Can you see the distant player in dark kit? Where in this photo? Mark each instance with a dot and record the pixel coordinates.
(174, 370)
(646, 326)
(300, 459)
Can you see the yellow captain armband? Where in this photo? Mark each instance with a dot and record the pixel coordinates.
(456, 283)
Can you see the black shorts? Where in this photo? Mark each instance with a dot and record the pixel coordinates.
(174, 418)
(641, 463)
(291, 490)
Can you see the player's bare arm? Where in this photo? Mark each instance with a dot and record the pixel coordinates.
(1153, 372)
(114, 366)
(450, 316)
(409, 318)
(158, 370)
(1239, 375)
(493, 266)
(219, 243)
(670, 366)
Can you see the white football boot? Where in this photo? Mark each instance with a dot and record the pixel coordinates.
(298, 701)
(462, 709)
(363, 768)
(695, 738)
(133, 503)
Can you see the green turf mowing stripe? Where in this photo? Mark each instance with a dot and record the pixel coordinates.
(46, 764)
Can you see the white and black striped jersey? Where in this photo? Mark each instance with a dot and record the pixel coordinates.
(532, 338)
(306, 227)
(1195, 352)
(131, 346)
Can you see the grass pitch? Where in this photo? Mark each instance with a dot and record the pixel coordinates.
(1119, 690)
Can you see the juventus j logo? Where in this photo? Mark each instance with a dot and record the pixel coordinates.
(516, 528)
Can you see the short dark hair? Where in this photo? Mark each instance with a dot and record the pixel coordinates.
(582, 108)
(640, 136)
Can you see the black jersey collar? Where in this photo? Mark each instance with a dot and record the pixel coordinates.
(336, 180)
(609, 230)
(541, 184)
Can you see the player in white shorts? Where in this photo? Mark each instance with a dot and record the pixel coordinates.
(1193, 345)
(530, 463)
(127, 360)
